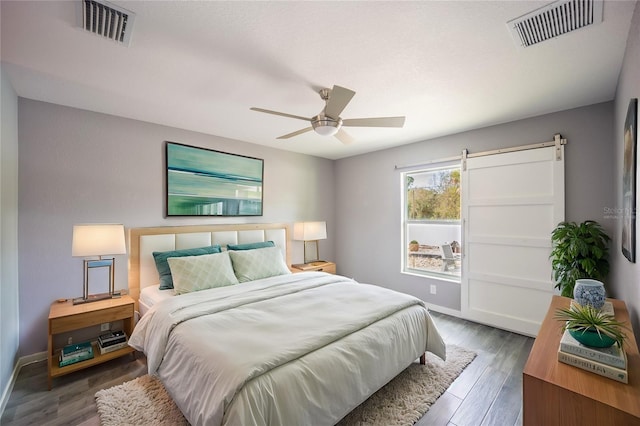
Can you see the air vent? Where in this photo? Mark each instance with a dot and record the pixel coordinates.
(106, 20)
(555, 19)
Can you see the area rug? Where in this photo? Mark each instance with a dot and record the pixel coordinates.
(144, 401)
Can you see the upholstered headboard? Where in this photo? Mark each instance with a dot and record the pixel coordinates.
(144, 241)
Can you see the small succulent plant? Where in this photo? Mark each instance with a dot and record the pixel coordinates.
(586, 318)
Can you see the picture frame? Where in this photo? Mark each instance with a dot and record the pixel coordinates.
(206, 182)
(628, 240)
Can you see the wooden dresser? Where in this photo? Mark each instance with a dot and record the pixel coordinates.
(559, 394)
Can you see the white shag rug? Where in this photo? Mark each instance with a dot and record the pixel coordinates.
(403, 401)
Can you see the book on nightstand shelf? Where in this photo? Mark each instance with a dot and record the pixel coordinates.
(71, 354)
(604, 370)
(112, 341)
(114, 347)
(112, 338)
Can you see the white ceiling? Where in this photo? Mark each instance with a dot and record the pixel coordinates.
(447, 66)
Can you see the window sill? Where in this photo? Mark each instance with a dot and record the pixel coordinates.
(433, 275)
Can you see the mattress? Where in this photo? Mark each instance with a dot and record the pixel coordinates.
(293, 349)
(151, 295)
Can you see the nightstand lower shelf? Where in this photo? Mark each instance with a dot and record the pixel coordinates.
(98, 358)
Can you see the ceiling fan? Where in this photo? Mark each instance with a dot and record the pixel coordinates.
(328, 121)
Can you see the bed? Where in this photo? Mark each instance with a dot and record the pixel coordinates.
(283, 349)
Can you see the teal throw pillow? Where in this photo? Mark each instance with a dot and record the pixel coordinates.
(251, 246)
(166, 281)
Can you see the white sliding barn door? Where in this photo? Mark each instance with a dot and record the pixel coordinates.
(510, 204)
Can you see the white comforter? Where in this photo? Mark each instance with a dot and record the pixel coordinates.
(299, 349)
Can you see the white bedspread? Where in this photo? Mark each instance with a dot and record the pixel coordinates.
(292, 350)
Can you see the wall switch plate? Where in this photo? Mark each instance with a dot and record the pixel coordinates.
(104, 327)
(433, 289)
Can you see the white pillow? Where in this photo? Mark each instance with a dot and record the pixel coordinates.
(193, 273)
(254, 264)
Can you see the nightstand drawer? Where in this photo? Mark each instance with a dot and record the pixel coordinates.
(328, 267)
(88, 319)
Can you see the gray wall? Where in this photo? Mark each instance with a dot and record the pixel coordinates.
(8, 235)
(83, 167)
(369, 213)
(76, 166)
(626, 275)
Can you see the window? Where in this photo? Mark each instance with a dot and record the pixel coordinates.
(431, 217)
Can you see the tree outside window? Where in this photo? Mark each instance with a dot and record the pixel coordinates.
(434, 195)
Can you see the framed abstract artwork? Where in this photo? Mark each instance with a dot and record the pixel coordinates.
(205, 182)
(629, 182)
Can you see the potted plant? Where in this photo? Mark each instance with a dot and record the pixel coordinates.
(591, 326)
(414, 246)
(579, 251)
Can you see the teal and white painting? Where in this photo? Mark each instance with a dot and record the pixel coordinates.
(204, 182)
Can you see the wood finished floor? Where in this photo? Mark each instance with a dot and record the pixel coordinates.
(488, 392)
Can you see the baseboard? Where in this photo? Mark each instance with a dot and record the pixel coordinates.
(30, 359)
(22, 361)
(7, 390)
(444, 310)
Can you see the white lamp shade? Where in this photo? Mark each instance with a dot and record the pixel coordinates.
(98, 239)
(310, 231)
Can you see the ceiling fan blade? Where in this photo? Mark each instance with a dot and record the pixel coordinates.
(374, 122)
(268, 111)
(338, 100)
(344, 137)
(296, 133)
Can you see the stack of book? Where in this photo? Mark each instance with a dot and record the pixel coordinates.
(112, 341)
(71, 354)
(608, 362)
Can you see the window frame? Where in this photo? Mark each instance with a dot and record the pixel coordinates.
(406, 222)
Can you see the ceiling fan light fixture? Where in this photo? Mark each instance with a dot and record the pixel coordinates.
(326, 126)
(328, 121)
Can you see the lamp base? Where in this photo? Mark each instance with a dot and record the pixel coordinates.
(92, 298)
(308, 259)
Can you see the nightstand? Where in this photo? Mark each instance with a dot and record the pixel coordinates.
(65, 317)
(322, 266)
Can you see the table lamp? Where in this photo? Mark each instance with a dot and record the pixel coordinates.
(310, 232)
(91, 240)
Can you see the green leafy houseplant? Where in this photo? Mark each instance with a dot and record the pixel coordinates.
(579, 251)
(583, 319)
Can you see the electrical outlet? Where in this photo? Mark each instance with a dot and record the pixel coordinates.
(433, 289)
(104, 327)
